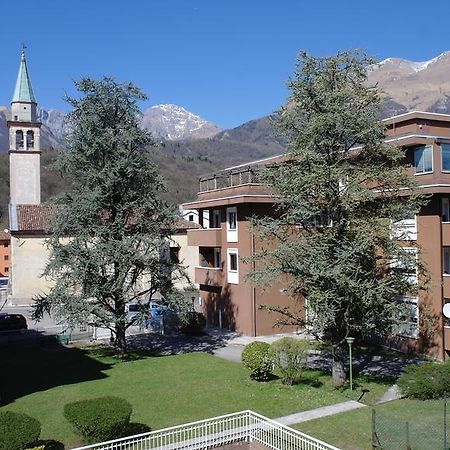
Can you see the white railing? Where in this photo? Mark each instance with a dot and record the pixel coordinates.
(237, 427)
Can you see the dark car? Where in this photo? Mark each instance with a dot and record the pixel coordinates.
(12, 322)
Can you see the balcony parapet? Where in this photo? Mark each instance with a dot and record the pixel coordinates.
(205, 237)
(211, 276)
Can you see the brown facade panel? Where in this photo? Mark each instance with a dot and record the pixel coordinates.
(209, 276)
(210, 237)
(447, 338)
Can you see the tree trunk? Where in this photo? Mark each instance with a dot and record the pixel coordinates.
(338, 373)
(120, 341)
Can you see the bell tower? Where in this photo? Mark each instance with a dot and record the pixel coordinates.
(24, 142)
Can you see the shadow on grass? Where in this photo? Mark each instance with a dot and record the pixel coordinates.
(41, 365)
(313, 382)
(50, 444)
(137, 428)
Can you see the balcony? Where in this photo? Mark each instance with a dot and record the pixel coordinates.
(210, 237)
(211, 276)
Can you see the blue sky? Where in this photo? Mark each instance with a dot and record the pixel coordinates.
(226, 60)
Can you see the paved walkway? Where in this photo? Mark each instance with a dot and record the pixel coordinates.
(317, 413)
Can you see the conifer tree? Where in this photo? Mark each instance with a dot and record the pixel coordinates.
(109, 230)
(341, 194)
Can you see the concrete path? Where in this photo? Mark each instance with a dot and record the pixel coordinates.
(393, 393)
(317, 413)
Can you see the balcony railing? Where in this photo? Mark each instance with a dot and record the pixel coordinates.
(244, 426)
(235, 177)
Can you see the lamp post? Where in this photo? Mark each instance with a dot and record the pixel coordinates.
(350, 341)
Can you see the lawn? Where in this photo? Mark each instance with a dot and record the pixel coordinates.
(164, 390)
(352, 430)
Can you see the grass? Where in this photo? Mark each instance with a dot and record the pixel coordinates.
(425, 426)
(163, 390)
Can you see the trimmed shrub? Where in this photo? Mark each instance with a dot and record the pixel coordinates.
(289, 356)
(99, 419)
(256, 358)
(426, 381)
(48, 444)
(192, 323)
(17, 431)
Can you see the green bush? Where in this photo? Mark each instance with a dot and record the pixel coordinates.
(192, 323)
(426, 381)
(99, 419)
(256, 358)
(289, 356)
(17, 430)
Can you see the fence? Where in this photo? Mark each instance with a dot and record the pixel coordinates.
(399, 430)
(244, 426)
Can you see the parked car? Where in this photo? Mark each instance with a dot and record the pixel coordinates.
(12, 322)
(4, 283)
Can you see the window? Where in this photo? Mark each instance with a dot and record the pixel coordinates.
(6, 244)
(6, 269)
(233, 262)
(232, 220)
(175, 255)
(405, 230)
(423, 159)
(232, 228)
(19, 139)
(408, 319)
(406, 264)
(210, 257)
(233, 271)
(215, 221)
(445, 209)
(30, 139)
(446, 262)
(191, 217)
(6, 257)
(217, 257)
(445, 153)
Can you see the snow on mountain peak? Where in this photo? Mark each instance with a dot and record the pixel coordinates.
(416, 66)
(172, 122)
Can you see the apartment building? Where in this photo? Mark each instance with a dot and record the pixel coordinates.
(230, 197)
(5, 253)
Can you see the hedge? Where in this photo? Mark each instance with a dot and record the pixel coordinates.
(18, 431)
(426, 381)
(99, 419)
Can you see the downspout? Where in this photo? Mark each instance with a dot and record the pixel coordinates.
(441, 250)
(253, 287)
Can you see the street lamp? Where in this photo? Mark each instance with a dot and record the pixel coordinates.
(350, 341)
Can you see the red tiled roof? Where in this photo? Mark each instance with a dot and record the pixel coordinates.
(183, 224)
(34, 217)
(39, 217)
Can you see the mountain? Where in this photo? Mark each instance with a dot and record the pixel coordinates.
(260, 132)
(55, 120)
(411, 85)
(48, 138)
(174, 123)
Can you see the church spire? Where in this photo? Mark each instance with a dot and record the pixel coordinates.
(24, 90)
